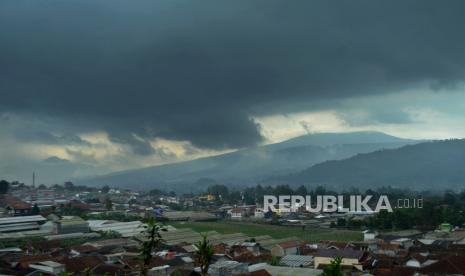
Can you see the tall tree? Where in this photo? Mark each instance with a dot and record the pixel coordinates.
(108, 204)
(105, 189)
(35, 210)
(218, 190)
(4, 187)
(154, 240)
(204, 254)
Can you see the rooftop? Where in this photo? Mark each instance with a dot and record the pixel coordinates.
(296, 261)
(290, 244)
(346, 253)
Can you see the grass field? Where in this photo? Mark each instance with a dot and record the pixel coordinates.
(275, 231)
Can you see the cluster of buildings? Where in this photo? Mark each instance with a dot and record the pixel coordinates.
(49, 232)
(97, 253)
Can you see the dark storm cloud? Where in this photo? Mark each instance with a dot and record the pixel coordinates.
(44, 137)
(197, 71)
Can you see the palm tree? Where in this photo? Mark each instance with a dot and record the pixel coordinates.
(204, 254)
(87, 272)
(334, 268)
(154, 240)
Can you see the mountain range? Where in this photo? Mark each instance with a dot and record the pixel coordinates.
(437, 165)
(252, 165)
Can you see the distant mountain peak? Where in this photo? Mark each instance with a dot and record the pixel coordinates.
(252, 165)
(340, 138)
(55, 160)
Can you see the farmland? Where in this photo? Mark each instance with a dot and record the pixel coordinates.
(275, 231)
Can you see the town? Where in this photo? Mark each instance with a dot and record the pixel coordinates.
(76, 230)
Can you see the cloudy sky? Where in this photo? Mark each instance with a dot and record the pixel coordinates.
(101, 86)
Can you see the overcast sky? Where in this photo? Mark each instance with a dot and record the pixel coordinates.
(112, 85)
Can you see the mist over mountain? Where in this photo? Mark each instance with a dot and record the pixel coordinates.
(49, 171)
(437, 165)
(250, 166)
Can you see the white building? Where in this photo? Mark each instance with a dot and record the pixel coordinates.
(237, 213)
(259, 213)
(369, 235)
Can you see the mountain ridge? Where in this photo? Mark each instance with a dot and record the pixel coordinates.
(249, 166)
(430, 165)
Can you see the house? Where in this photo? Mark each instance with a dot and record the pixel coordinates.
(296, 261)
(109, 269)
(238, 250)
(114, 243)
(159, 270)
(286, 248)
(71, 224)
(125, 229)
(81, 263)
(23, 262)
(237, 213)
(450, 265)
(350, 257)
(369, 235)
(10, 250)
(259, 213)
(82, 250)
(252, 247)
(251, 258)
(79, 205)
(228, 268)
(407, 234)
(15, 206)
(387, 249)
(333, 244)
(45, 246)
(419, 260)
(48, 267)
(403, 242)
(266, 269)
(19, 224)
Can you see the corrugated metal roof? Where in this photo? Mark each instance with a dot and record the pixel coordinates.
(296, 260)
(126, 229)
(72, 235)
(22, 219)
(19, 227)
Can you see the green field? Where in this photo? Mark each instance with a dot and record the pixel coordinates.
(275, 231)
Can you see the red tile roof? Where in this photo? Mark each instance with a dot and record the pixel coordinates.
(420, 258)
(343, 253)
(79, 264)
(388, 246)
(252, 259)
(46, 245)
(289, 244)
(14, 203)
(398, 271)
(448, 265)
(237, 210)
(25, 261)
(219, 248)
